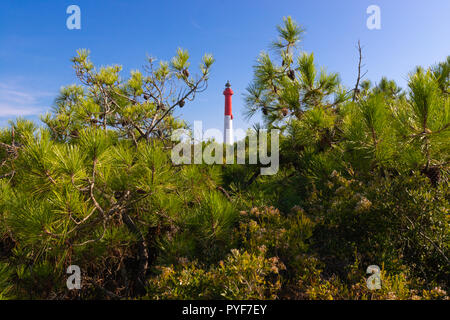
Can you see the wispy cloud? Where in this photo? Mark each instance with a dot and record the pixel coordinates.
(195, 24)
(16, 101)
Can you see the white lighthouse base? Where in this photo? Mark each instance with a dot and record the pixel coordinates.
(228, 130)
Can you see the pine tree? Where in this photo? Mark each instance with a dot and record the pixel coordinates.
(96, 187)
(338, 153)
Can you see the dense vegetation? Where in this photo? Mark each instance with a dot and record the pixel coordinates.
(363, 180)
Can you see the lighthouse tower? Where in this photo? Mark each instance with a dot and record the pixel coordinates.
(228, 124)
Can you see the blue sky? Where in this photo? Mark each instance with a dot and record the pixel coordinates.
(36, 46)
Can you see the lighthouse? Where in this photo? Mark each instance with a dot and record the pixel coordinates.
(228, 121)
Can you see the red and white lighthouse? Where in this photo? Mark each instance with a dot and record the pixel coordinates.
(228, 124)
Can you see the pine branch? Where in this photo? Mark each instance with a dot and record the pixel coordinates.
(359, 78)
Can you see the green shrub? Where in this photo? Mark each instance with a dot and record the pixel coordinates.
(398, 222)
(241, 275)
